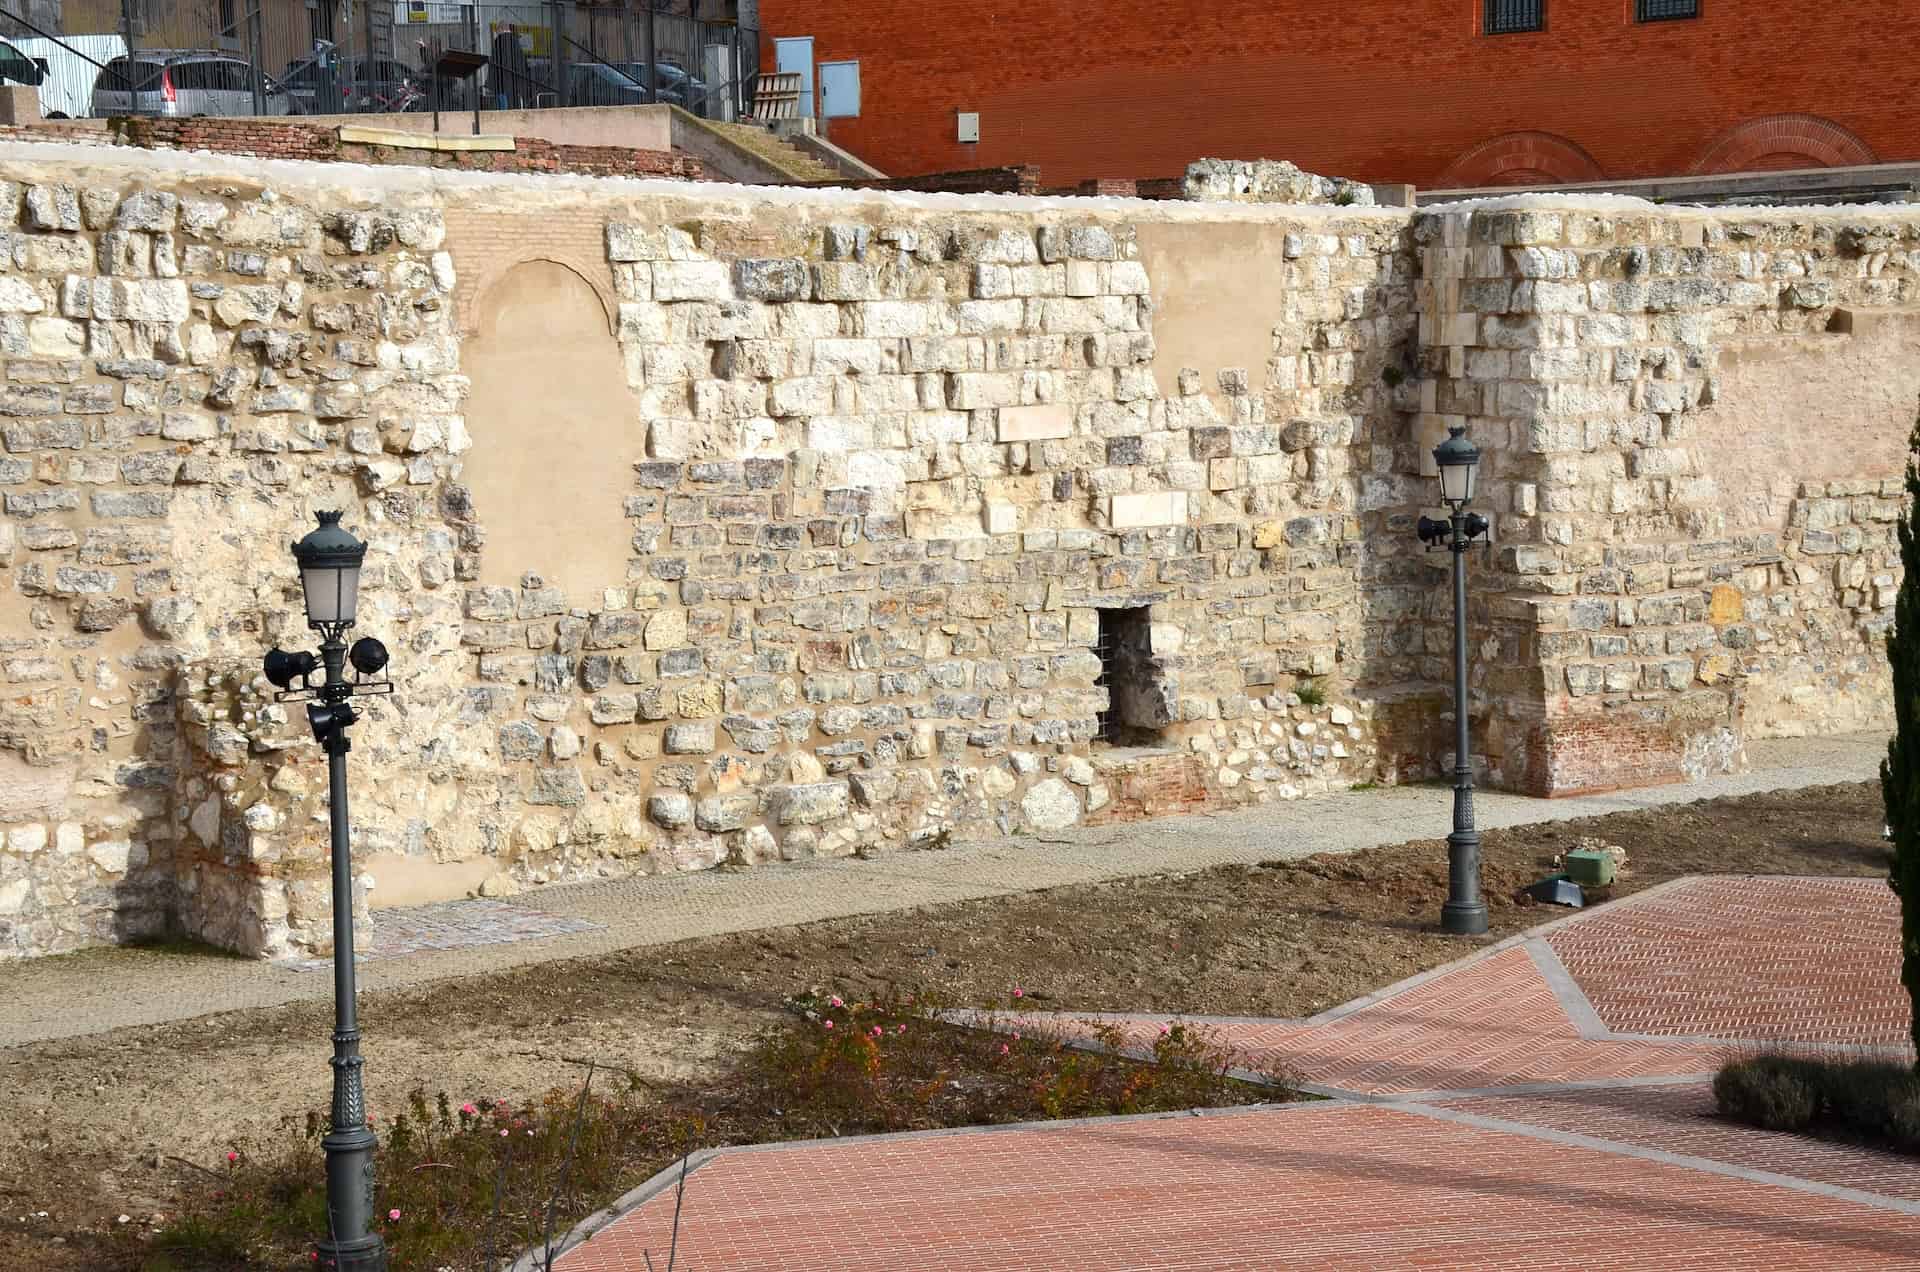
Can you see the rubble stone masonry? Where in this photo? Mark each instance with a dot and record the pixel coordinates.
(710, 524)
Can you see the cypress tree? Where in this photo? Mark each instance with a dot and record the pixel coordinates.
(1900, 772)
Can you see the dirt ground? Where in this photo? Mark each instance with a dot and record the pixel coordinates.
(94, 1128)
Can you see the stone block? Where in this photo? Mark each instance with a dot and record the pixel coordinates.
(808, 804)
(776, 282)
(695, 738)
(718, 814)
(691, 280)
(1160, 508)
(1034, 423)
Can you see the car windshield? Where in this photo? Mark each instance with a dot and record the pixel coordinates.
(615, 76)
(123, 75)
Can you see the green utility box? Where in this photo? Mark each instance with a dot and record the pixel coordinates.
(1590, 867)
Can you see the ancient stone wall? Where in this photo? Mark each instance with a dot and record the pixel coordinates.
(1700, 421)
(718, 525)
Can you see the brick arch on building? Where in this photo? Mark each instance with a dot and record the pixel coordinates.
(1776, 142)
(1520, 158)
(487, 247)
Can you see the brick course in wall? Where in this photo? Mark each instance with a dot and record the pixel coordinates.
(1407, 92)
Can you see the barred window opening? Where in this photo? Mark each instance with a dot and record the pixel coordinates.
(1505, 17)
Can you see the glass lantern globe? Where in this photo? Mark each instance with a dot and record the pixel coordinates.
(329, 560)
(1459, 461)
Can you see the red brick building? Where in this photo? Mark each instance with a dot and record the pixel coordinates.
(1383, 90)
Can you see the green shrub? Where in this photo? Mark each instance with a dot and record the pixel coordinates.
(1900, 772)
(1868, 1100)
(1310, 693)
(1779, 1093)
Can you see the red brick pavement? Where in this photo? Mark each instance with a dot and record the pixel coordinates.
(1383, 1186)
(1680, 1119)
(1493, 1023)
(1339, 1186)
(1812, 960)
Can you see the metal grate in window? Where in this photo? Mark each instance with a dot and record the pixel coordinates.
(1507, 16)
(1665, 10)
(1107, 646)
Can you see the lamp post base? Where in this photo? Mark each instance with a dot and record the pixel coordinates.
(368, 1254)
(1463, 920)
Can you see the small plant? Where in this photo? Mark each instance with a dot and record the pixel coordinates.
(1364, 786)
(1393, 376)
(1310, 693)
(472, 1184)
(1872, 1101)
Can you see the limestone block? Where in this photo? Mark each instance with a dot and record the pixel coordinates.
(895, 318)
(808, 804)
(691, 280)
(1033, 423)
(775, 282)
(666, 629)
(148, 210)
(695, 738)
(1160, 508)
(972, 391)
(19, 296)
(52, 208)
(629, 242)
(1050, 805)
(671, 809)
(720, 813)
(842, 281)
(1002, 518)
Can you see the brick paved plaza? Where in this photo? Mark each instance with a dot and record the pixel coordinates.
(1543, 1104)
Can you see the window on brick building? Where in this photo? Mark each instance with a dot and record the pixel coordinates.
(1504, 17)
(1665, 10)
(1137, 707)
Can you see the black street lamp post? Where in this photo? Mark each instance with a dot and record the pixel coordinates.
(329, 560)
(1465, 911)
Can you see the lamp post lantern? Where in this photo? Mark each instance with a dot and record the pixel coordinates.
(1465, 911)
(329, 559)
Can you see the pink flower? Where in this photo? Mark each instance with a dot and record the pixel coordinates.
(1003, 1048)
(393, 1214)
(1165, 1030)
(1019, 992)
(233, 1157)
(829, 1024)
(468, 1108)
(504, 1132)
(877, 1031)
(835, 1001)
(1016, 1035)
(902, 1029)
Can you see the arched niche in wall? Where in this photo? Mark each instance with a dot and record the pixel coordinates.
(1780, 142)
(1520, 158)
(555, 429)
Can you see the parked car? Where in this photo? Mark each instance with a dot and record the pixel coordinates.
(353, 89)
(184, 83)
(672, 88)
(598, 84)
(72, 62)
(675, 77)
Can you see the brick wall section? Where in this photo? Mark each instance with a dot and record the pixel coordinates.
(321, 144)
(1381, 92)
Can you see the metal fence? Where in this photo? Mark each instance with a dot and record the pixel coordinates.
(330, 57)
